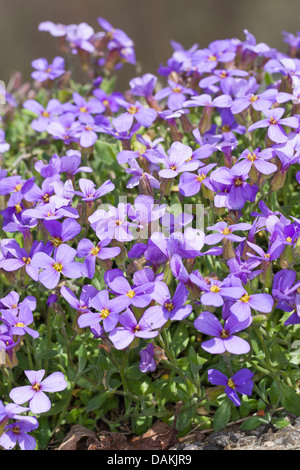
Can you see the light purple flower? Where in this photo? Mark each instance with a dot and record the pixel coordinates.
(274, 123)
(224, 338)
(240, 382)
(35, 393)
(62, 263)
(169, 308)
(16, 433)
(122, 336)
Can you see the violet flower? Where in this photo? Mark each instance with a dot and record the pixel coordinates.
(274, 124)
(35, 393)
(240, 382)
(108, 311)
(62, 263)
(224, 338)
(16, 433)
(147, 361)
(86, 249)
(169, 308)
(45, 71)
(122, 336)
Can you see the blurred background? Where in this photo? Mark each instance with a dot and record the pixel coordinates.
(151, 25)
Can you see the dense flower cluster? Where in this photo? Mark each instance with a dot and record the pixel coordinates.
(222, 134)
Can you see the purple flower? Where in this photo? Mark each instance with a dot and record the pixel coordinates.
(51, 212)
(143, 86)
(274, 123)
(175, 93)
(81, 305)
(260, 302)
(107, 311)
(122, 336)
(190, 184)
(46, 115)
(274, 251)
(19, 324)
(22, 258)
(214, 291)
(16, 433)
(144, 116)
(62, 263)
(257, 159)
(61, 232)
(88, 191)
(34, 393)
(169, 308)
(113, 224)
(147, 361)
(177, 161)
(225, 232)
(223, 101)
(45, 71)
(86, 249)
(240, 382)
(235, 190)
(224, 339)
(138, 296)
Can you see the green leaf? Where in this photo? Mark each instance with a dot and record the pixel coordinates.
(290, 400)
(280, 423)
(222, 415)
(48, 354)
(180, 339)
(274, 394)
(98, 401)
(250, 423)
(105, 152)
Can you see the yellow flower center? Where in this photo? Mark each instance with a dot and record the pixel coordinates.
(169, 306)
(132, 109)
(18, 208)
(224, 334)
(245, 298)
(88, 128)
(105, 102)
(46, 197)
(238, 182)
(18, 187)
(58, 267)
(214, 288)
(95, 250)
(136, 329)
(56, 241)
(83, 109)
(104, 313)
(201, 177)
(36, 387)
(273, 120)
(130, 293)
(231, 384)
(224, 74)
(26, 260)
(176, 89)
(20, 325)
(252, 156)
(212, 58)
(226, 231)
(267, 256)
(45, 114)
(173, 167)
(253, 98)
(225, 128)
(16, 430)
(288, 239)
